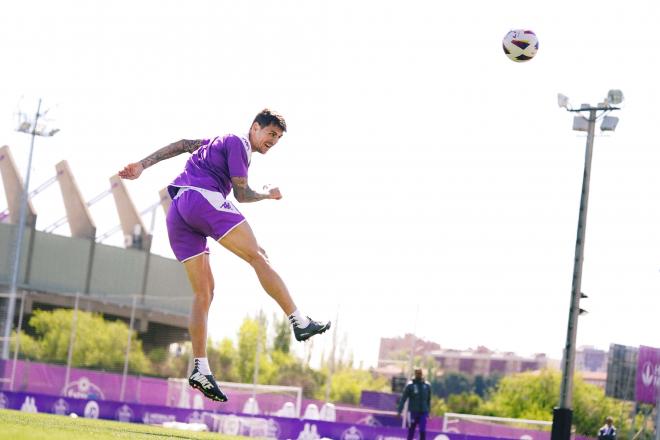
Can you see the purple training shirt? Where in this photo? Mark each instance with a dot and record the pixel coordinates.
(215, 162)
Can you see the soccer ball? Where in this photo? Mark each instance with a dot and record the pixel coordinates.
(520, 45)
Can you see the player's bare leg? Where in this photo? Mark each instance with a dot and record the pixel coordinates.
(201, 281)
(242, 242)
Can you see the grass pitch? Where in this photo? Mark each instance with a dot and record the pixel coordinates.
(17, 425)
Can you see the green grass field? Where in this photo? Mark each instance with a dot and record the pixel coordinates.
(16, 425)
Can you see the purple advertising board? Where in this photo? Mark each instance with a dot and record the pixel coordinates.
(42, 387)
(37, 377)
(648, 375)
(267, 427)
(379, 400)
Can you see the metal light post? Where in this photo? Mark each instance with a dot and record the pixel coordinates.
(34, 130)
(332, 362)
(128, 350)
(563, 415)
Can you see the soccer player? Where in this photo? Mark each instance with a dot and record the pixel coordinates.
(200, 209)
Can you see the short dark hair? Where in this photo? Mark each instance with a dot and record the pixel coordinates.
(266, 117)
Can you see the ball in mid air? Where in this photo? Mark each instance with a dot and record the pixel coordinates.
(520, 45)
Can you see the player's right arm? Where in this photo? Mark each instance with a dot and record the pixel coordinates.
(245, 194)
(133, 170)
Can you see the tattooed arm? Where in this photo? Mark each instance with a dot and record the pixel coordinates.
(245, 194)
(171, 150)
(133, 170)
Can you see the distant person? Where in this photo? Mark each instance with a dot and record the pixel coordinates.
(418, 394)
(608, 431)
(200, 209)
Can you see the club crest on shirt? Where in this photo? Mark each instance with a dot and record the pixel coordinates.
(247, 146)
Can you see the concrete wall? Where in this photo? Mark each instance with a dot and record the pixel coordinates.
(58, 264)
(117, 273)
(167, 285)
(7, 248)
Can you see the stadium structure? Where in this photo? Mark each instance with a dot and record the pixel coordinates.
(56, 269)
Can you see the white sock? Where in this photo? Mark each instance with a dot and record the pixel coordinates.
(202, 365)
(298, 319)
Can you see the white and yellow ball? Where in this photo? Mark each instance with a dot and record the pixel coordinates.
(520, 45)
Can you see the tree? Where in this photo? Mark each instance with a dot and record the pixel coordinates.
(525, 396)
(464, 403)
(223, 359)
(451, 383)
(591, 407)
(460, 383)
(251, 331)
(482, 385)
(438, 407)
(282, 340)
(291, 371)
(98, 343)
(533, 395)
(348, 383)
(168, 363)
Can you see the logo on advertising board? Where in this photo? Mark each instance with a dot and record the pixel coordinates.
(124, 414)
(309, 432)
(260, 427)
(391, 437)
(647, 383)
(650, 374)
(60, 407)
(4, 402)
(157, 419)
(231, 425)
(252, 427)
(83, 388)
(92, 410)
(29, 405)
(351, 433)
(273, 429)
(196, 417)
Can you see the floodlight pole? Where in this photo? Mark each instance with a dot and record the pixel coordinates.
(562, 416)
(13, 284)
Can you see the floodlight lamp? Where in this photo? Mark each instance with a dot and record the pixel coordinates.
(614, 97)
(562, 101)
(609, 123)
(51, 132)
(580, 123)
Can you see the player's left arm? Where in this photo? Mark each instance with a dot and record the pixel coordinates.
(133, 170)
(245, 194)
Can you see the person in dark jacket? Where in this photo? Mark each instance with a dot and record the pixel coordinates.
(418, 394)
